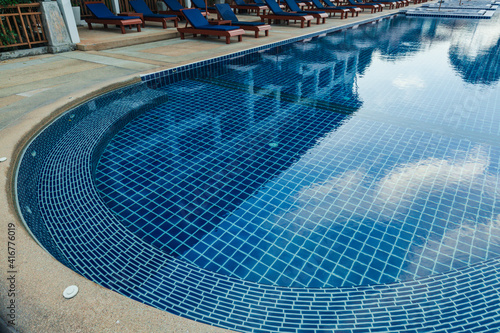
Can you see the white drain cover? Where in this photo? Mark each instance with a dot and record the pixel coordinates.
(70, 292)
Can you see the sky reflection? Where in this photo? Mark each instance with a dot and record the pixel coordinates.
(365, 156)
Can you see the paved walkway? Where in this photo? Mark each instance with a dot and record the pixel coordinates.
(34, 90)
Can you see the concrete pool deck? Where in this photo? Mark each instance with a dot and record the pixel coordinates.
(34, 90)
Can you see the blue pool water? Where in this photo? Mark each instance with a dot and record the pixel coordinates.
(357, 158)
(354, 190)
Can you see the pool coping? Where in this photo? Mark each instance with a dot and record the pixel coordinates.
(183, 71)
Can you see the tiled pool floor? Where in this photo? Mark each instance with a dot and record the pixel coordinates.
(243, 179)
(380, 178)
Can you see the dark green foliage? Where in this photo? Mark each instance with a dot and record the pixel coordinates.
(7, 37)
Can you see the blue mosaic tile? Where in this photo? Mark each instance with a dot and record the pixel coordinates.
(333, 211)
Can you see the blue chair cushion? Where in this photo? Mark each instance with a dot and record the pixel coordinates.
(198, 21)
(219, 27)
(250, 24)
(100, 10)
(292, 5)
(226, 12)
(201, 4)
(195, 18)
(243, 3)
(274, 7)
(318, 4)
(141, 7)
(173, 5)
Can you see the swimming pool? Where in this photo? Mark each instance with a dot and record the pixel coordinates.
(356, 189)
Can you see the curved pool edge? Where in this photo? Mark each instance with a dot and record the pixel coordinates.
(415, 299)
(49, 113)
(42, 279)
(56, 110)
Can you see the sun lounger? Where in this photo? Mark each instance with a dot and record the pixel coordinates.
(319, 15)
(201, 4)
(102, 15)
(147, 15)
(360, 2)
(242, 5)
(390, 3)
(373, 7)
(263, 3)
(200, 26)
(279, 14)
(331, 9)
(353, 9)
(175, 8)
(225, 12)
(304, 4)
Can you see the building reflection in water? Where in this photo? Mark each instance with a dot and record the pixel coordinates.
(320, 163)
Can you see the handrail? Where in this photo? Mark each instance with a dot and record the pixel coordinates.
(21, 25)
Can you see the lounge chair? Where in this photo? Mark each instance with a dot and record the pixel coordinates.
(390, 3)
(102, 15)
(201, 4)
(353, 9)
(142, 8)
(175, 8)
(319, 15)
(242, 5)
(304, 4)
(380, 3)
(263, 3)
(331, 9)
(200, 25)
(278, 14)
(225, 12)
(373, 7)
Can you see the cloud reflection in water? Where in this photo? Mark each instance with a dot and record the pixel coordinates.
(450, 227)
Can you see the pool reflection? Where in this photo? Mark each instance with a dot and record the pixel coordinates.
(348, 159)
